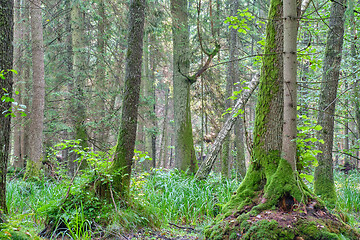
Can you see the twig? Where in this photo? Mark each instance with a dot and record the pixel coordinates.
(188, 228)
(21, 171)
(112, 197)
(72, 181)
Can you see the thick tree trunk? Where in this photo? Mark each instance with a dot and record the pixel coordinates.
(184, 145)
(38, 100)
(324, 180)
(6, 63)
(126, 139)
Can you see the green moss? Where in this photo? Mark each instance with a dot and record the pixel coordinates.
(32, 170)
(268, 230)
(186, 142)
(314, 230)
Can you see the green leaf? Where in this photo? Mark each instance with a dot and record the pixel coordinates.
(317, 127)
(309, 178)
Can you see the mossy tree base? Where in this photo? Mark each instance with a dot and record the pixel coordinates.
(277, 224)
(310, 223)
(90, 202)
(276, 205)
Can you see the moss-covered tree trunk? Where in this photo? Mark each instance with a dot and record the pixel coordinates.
(6, 63)
(324, 179)
(124, 151)
(38, 99)
(272, 202)
(184, 145)
(101, 80)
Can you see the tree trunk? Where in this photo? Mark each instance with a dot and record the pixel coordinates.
(38, 100)
(126, 139)
(290, 87)
(234, 73)
(210, 158)
(164, 136)
(356, 89)
(18, 60)
(101, 84)
(324, 179)
(6, 63)
(79, 77)
(184, 145)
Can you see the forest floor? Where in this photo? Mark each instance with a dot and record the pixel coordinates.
(167, 205)
(167, 234)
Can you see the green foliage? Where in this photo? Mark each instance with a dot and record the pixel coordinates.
(178, 197)
(241, 21)
(23, 199)
(234, 96)
(78, 227)
(141, 156)
(348, 191)
(306, 145)
(6, 97)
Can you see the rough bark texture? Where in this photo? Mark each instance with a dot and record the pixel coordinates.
(210, 158)
(290, 87)
(101, 84)
(77, 88)
(356, 89)
(18, 60)
(149, 98)
(126, 139)
(184, 145)
(164, 136)
(6, 63)
(233, 71)
(38, 100)
(324, 179)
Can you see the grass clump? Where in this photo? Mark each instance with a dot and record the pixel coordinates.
(181, 199)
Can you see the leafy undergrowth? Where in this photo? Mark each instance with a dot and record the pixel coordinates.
(348, 196)
(167, 204)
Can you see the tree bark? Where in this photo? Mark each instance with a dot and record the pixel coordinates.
(324, 179)
(79, 76)
(6, 63)
(18, 60)
(38, 100)
(184, 145)
(290, 87)
(124, 151)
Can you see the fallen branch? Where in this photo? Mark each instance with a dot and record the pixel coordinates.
(186, 228)
(209, 161)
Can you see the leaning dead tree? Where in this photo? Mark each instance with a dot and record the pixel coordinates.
(210, 158)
